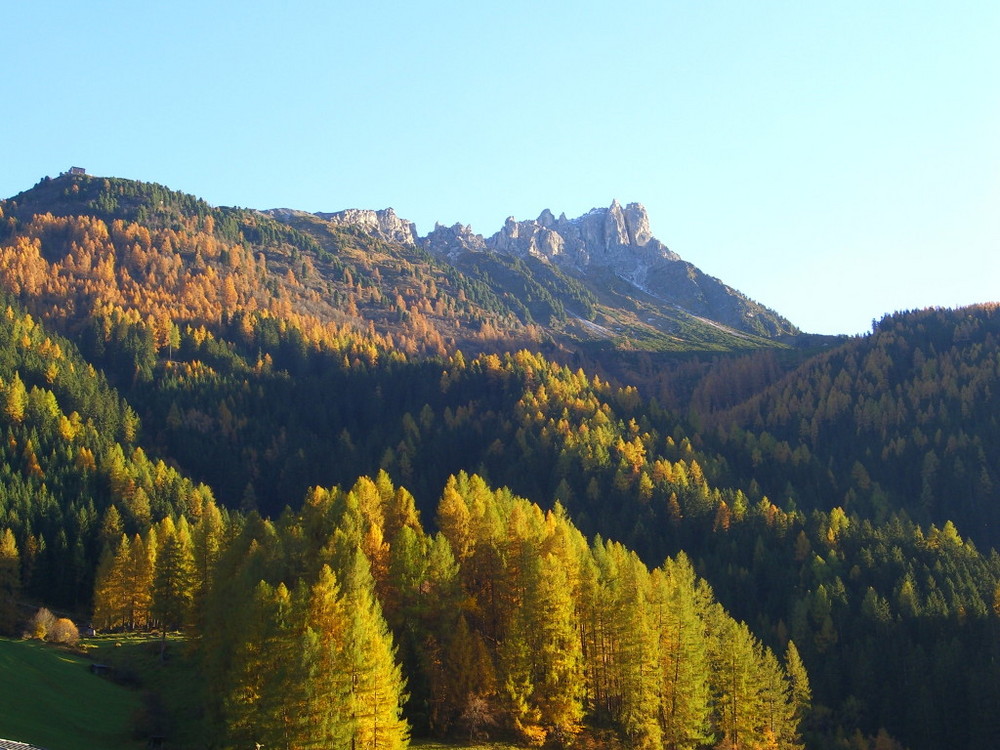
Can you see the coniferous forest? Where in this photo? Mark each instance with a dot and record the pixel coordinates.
(384, 496)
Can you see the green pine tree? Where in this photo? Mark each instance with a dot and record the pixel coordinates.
(10, 582)
(174, 577)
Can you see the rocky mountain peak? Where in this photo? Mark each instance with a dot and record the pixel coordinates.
(384, 224)
(614, 241)
(454, 240)
(615, 236)
(637, 224)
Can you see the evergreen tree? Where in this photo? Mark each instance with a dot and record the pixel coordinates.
(10, 582)
(685, 698)
(376, 684)
(737, 684)
(801, 693)
(111, 528)
(174, 579)
(207, 543)
(780, 725)
(325, 687)
(260, 689)
(463, 674)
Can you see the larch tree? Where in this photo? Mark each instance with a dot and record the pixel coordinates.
(406, 569)
(376, 684)
(15, 399)
(138, 580)
(207, 542)
(592, 641)
(324, 685)
(639, 658)
(461, 674)
(623, 680)
(123, 586)
(685, 698)
(801, 693)
(399, 507)
(111, 528)
(259, 690)
(557, 652)
(230, 628)
(110, 585)
(454, 521)
(737, 684)
(780, 726)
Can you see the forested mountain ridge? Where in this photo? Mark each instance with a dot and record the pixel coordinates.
(347, 269)
(218, 375)
(905, 418)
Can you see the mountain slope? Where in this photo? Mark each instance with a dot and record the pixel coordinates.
(618, 241)
(905, 418)
(581, 263)
(268, 352)
(364, 269)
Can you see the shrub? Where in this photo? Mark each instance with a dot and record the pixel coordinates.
(64, 631)
(41, 625)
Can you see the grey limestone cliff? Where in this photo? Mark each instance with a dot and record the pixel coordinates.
(384, 224)
(613, 238)
(453, 241)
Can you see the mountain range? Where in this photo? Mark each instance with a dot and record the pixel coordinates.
(604, 243)
(601, 279)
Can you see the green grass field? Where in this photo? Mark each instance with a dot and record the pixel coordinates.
(49, 698)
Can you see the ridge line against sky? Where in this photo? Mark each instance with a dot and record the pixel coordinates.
(832, 161)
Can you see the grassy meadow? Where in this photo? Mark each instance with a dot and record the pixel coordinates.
(49, 698)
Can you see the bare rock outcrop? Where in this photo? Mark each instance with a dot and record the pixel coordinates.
(384, 224)
(453, 241)
(614, 238)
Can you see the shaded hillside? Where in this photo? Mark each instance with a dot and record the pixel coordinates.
(70, 452)
(905, 418)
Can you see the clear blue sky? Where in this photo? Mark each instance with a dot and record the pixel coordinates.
(833, 160)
